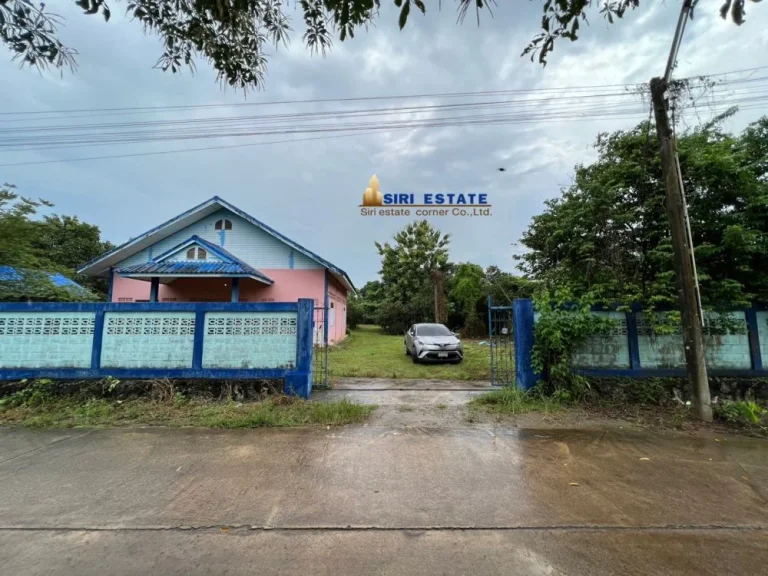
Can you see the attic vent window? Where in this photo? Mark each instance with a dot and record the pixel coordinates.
(223, 225)
(196, 253)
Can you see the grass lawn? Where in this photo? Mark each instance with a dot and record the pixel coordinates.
(512, 400)
(279, 412)
(369, 353)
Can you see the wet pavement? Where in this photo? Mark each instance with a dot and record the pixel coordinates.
(381, 500)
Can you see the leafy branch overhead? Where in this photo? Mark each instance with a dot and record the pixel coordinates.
(235, 35)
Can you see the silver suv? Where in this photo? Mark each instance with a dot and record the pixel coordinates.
(433, 343)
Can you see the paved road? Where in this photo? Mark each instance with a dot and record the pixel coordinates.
(380, 500)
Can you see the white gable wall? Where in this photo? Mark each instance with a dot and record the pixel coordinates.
(251, 244)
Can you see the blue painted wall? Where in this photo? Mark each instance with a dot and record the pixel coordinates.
(630, 349)
(205, 340)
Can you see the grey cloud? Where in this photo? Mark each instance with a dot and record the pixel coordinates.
(310, 190)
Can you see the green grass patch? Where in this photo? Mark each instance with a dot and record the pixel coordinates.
(511, 400)
(369, 353)
(273, 412)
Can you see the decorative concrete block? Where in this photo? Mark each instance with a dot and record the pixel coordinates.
(46, 339)
(148, 340)
(248, 340)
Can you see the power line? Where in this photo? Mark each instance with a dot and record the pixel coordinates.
(357, 99)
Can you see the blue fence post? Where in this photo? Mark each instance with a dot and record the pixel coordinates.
(197, 346)
(98, 335)
(634, 345)
(299, 382)
(522, 310)
(754, 339)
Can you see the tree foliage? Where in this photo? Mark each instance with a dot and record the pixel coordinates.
(466, 292)
(234, 35)
(407, 291)
(411, 269)
(608, 234)
(51, 244)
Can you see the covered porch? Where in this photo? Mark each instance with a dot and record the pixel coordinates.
(192, 282)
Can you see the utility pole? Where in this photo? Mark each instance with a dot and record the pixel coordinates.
(683, 252)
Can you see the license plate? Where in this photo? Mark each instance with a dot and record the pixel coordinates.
(442, 354)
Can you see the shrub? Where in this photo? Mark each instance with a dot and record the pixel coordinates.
(564, 323)
(745, 412)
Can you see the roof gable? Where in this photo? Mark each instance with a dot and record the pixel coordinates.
(179, 252)
(129, 253)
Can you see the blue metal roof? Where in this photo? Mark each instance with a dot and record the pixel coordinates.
(194, 268)
(11, 274)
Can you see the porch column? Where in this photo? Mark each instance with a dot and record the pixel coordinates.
(235, 289)
(154, 288)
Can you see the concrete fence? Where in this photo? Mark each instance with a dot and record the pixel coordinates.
(631, 348)
(151, 340)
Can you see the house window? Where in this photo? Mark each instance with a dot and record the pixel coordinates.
(196, 253)
(125, 299)
(223, 225)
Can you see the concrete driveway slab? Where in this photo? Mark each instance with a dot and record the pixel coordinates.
(402, 553)
(384, 477)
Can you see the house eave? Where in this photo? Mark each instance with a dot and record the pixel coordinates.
(176, 276)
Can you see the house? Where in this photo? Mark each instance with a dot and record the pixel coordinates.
(215, 252)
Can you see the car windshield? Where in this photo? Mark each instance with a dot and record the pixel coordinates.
(432, 330)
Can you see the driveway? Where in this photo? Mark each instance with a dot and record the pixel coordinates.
(381, 499)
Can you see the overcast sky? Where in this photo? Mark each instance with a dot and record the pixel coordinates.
(310, 191)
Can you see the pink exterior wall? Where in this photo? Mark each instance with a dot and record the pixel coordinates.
(289, 286)
(337, 297)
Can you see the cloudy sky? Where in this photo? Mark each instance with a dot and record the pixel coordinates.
(311, 190)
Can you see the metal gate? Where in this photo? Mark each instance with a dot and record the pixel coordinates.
(320, 353)
(501, 332)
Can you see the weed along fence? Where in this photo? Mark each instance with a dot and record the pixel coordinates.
(151, 340)
(632, 348)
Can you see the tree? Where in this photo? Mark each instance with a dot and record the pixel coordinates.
(607, 233)
(233, 35)
(467, 292)
(53, 244)
(412, 271)
(17, 231)
(67, 243)
(504, 287)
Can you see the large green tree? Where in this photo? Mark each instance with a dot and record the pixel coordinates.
(607, 234)
(17, 230)
(51, 244)
(467, 292)
(234, 35)
(413, 270)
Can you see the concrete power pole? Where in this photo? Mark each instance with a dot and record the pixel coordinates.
(683, 252)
